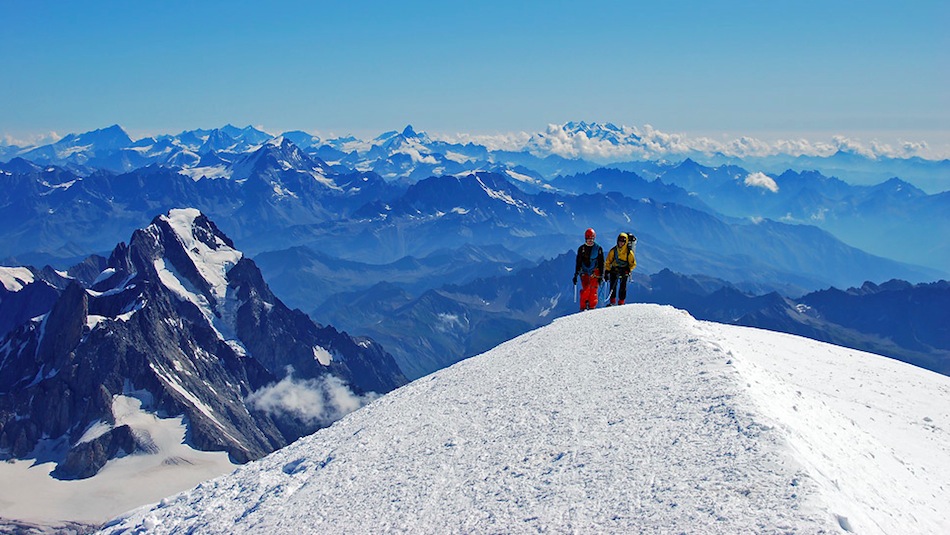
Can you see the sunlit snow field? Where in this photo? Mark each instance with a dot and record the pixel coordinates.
(29, 493)
(629, 419)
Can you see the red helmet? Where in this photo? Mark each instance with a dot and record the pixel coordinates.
(589, 234)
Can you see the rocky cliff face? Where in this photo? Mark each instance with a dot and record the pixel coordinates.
(182, 321)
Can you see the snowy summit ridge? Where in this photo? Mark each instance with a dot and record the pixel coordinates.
(626, 420)
(212, 254)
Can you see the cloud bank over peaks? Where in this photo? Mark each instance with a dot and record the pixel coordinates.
(31, 140)
(512, 141)
(603, 143)
(607, 142)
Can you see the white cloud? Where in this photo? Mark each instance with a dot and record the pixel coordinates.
(513, 141)
(761, 180)
(417, 157)
(570, 144)
(600, 143)
(315, 401)
(34, 140)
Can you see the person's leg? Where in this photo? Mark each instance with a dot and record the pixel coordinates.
(594, 287)
(613, 288)
(623, 289)
(585, 291)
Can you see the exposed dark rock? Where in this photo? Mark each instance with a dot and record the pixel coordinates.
(155, 327)
(84, 460)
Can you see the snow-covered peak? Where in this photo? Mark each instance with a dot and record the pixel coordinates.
(607, 131)
(15, 278)
(409, 142)
(588, 140)
(384, 137)
(415, 145)
(632, 419)
(106, 138)
(302, 139)
(210, 251)
(502, 193)
(410, 133)
(276, 155)
(248, 134)
(528, 180)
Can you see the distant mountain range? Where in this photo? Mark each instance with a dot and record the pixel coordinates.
(304, 277)
(395, 221)
(570, 148)
(883, 219)
(278, 197)
(801, 190)
(450, 322)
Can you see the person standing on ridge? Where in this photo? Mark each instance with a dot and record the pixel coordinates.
(620, 261)
(590, 267)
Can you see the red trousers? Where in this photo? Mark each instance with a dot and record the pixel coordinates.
(589, 286)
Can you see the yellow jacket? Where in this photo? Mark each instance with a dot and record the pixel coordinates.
(622, 261)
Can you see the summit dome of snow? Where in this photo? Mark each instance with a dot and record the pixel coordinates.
(625, 420)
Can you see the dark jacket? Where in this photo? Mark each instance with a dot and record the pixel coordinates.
(589, 258)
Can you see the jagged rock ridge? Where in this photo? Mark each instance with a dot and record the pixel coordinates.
(182, 321)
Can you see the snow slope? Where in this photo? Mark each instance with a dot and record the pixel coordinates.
(30, 495)
(624, 420)
(15, 278)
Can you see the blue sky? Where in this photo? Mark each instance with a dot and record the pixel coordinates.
(774, 69)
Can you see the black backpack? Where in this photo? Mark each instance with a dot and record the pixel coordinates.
(631, 243)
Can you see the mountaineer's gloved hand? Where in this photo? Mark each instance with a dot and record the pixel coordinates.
(575, 279)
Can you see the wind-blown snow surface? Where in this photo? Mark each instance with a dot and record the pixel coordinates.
(623, 420)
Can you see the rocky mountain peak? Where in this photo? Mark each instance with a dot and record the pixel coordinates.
(67, 319)
(181, 317)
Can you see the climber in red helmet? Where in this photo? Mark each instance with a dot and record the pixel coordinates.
(590, 267)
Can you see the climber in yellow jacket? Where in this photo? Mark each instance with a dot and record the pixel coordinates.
(620, 261)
